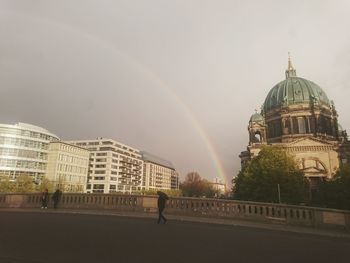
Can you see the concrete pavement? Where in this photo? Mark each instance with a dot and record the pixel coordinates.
(93, 236)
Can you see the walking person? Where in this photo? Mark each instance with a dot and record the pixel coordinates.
(44, 199)
(162, 197)
(55, 198)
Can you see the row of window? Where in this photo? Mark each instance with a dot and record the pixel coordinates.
(72, 168)
(62, 177)
(112, 149)
(300, 125)
(23, 153)
(106, 143)
(23, 143)
(13, 174)
(104, 166)
(70, 148)
(22, 164)
(26, 133)
(72, 159)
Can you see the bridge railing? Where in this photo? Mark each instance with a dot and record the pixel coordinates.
(192, 207)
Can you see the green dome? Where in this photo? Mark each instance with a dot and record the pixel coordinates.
(256, 117)
(295, 90)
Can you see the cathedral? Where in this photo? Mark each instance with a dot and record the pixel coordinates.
(298, 116)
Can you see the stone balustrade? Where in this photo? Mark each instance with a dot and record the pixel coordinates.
(193, 207)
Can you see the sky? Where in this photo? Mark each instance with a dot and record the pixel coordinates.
(177, 78)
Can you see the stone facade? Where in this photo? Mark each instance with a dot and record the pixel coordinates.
(67, 167)
(298, 116)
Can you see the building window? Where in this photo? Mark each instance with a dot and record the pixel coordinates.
(295, 125)
(106, 149)
(301, 125)
(257, 137)
(286, 126)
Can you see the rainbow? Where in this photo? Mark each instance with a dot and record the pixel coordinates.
(155, 79)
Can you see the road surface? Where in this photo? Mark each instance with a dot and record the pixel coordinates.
(54, 237)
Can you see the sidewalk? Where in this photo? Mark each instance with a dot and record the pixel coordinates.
(180, 218)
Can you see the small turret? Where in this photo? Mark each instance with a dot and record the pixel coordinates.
(257, 129)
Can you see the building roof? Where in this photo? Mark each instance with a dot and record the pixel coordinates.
(294, 90)
(256, 117)
(148, 157)
(28, 127)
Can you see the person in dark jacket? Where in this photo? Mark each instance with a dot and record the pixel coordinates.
(44, 199)
(162, 197)
(56, 198)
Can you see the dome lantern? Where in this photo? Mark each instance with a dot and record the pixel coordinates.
(290, 71)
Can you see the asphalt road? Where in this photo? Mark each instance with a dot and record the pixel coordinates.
(51, 237)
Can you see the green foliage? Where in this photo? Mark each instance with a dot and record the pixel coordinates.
(195, 186)
(45, 184)
(335, 193)
(5, 185)
(259, 180)
(23, 184)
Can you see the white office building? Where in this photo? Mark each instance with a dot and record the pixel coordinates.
(113, 166)
(24, 150)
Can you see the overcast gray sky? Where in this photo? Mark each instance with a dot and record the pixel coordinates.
(177, 78)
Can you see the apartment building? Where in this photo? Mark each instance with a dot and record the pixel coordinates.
(113, 166)
(67, 167)
(158, 173)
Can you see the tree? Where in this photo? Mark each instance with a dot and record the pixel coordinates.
(335, 193)
(23, 184)
(45, 184)
(195, 186)
(273, 167)
(5, 185)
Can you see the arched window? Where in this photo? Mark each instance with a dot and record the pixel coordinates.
(257, 137)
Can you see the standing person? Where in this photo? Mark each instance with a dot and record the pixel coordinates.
(55, 198)
(44, 199)
(162, 197)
